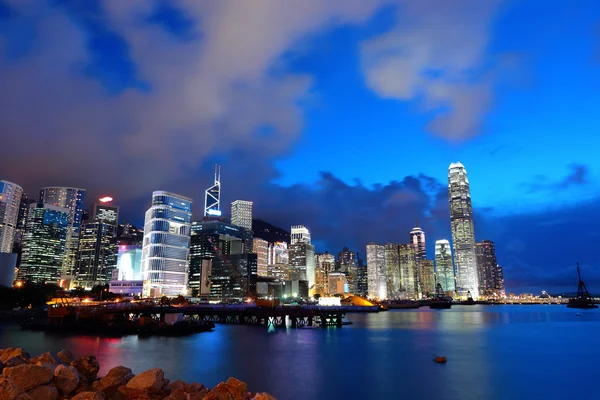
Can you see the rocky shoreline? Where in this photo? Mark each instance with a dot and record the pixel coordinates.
(62, 376)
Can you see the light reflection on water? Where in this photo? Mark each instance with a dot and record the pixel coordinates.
(516, 352)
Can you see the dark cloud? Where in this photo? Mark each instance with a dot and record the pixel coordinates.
(578, 176)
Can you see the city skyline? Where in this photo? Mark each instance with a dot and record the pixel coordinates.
(345, 113)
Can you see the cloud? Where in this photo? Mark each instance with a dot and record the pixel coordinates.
(578, 177)
(437, 54)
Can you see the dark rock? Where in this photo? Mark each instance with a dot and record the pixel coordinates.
(66, 379)
(14, 361)
(65, 356)
(89, 396)
(176, 385)
(88, 368)
(219, 392)
(198, 387)
(152, 380)
(6, 354)
(28, 376)
(44, 358)
(237, 388)
(263, 396)
(121, 372)
(47, 392)
(126, 393)
(8, 389)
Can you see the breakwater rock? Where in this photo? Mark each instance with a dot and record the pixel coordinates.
(62, 376)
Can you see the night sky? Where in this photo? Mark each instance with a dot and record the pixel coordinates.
(340, 115)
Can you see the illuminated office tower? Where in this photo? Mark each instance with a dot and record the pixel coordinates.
(261, 249)
(417, 240)
(376, 271)
(408, 271)
(300, 234)
(44, 244)
(321, 281)
(212, 196)
(325, 261)
(426, 277)
(463, 235)
(392, 270)
(10, 202)
(501, 290)
(165, 253)
(71, 199)
(444, 271)
(302, 255)
(241, 214)
(490, 281)
(97, 255)
(129, 263)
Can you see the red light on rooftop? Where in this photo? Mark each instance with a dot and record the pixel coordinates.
(106, 199)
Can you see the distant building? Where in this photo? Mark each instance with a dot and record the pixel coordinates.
(128, 289)
(302, 255)
(408, 272)
(241, 214)
(71, 199)
(463, 233)
(443, 266)
(321, 282)
(487, 266)
(24, 207)
(300, 234)
(10, 201)
(376, 271)
(500, 282)
(417, 241)
(278, 253)
(166, 248)
(261, 249)
(426, 277)
(44, 245)
(325, 261)
(129, 235)
(337, 283)
(129, 263)
(362, 287)
(97, 255)
(346, 260)
(8, 262)
(220, 268)
(392, 270)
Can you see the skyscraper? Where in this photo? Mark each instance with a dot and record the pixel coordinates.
(97, 255)
(444, 271)
(463, 235)
(241, 214)
(166, 248)
(426, 277)
(261, 249)
(300, 234)
(44, 244)
(212, 196)
(71, 199)
(302, 255)
(376, 273)
(408, 271)
(10, 202)
(417, 240)
(487, 265)
(278, 253)
(392, 270)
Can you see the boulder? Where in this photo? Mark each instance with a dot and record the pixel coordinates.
(46, 392)
(88, 368)
(8, 389)
(176, 385)
(198, 387)
(66, 379)
(125, 393)
(65, 356)
(219, 392)
(263, 396)
(46, 358)
(14, 361)
(237, 388)
(121, 372)
(152, 380)
(89, 396)
(6, 354)
(28, 376)
(197, 396)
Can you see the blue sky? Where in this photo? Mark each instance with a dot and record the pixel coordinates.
(342, 115)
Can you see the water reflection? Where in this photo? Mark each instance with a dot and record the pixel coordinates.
(493, 352)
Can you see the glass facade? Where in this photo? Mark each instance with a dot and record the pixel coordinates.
(376, 271)
(444, 271)
(166, 247)
(10, 202)
(44, 244)
(261, 249)
(97, 256)
(463, 234)
(241, 214)
(71, 199)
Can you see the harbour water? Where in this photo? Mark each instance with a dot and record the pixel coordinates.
(493, 352)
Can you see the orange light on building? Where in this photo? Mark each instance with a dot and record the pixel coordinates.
(106, 199)
(19, 284)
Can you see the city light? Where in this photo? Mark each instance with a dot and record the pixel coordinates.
(106, 199)
(19, 284)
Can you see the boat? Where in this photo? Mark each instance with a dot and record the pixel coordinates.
(402, 305)
(583, 298)
(440, 301)
(469, 301)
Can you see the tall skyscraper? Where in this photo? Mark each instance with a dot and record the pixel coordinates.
(392, 271)
(71, 199)
(261, 249)
(376, 273)
(212, 196)
(361, 278)
(486, 265)
(278, 253)
(346, 260)
(300, 234)
(463, 235)
(417, 240)
(10, 202)
(166, 248)
(44, 244)
(241, 214)
(444, 271)
(325, 261)
(97, 255)
(426, 277)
